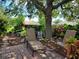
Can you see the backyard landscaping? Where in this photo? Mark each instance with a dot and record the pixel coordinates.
(65, 38)
(39, 29)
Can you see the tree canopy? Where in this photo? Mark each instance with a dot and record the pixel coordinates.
(32, 7)
(50, 8)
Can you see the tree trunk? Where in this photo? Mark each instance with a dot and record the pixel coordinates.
(48, 19)
(48, 27)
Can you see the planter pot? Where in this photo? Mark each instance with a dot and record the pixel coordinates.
(77, 46)
(71, 50)
(68, 49)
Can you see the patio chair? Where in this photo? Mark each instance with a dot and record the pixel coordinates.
(59, 47)
(32, 42)
(69, 33)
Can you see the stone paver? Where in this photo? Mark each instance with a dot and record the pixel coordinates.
(21, 52)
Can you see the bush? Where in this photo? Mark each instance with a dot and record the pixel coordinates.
(71, 40)
(59, 31)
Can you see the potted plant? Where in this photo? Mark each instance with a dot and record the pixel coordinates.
(71, 48)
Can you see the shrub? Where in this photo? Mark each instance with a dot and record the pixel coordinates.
(71, 40)
(59, 31)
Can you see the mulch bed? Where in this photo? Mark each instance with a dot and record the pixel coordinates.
(11, 40)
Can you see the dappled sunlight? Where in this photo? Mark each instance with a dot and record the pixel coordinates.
(39, 29)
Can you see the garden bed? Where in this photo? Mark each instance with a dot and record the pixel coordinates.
(11, 41)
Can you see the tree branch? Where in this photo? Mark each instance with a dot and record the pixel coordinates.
(38, 5)
(60, 4)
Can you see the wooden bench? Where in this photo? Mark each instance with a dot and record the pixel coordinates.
(34, 45)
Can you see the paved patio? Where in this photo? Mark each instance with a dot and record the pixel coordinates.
(21, 52)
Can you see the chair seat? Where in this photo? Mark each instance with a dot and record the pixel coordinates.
(60, 43)
(36, 45)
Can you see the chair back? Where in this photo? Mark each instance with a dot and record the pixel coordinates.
(31, 34)
(69, 33)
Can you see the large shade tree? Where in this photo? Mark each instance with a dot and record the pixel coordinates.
(44, 6)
